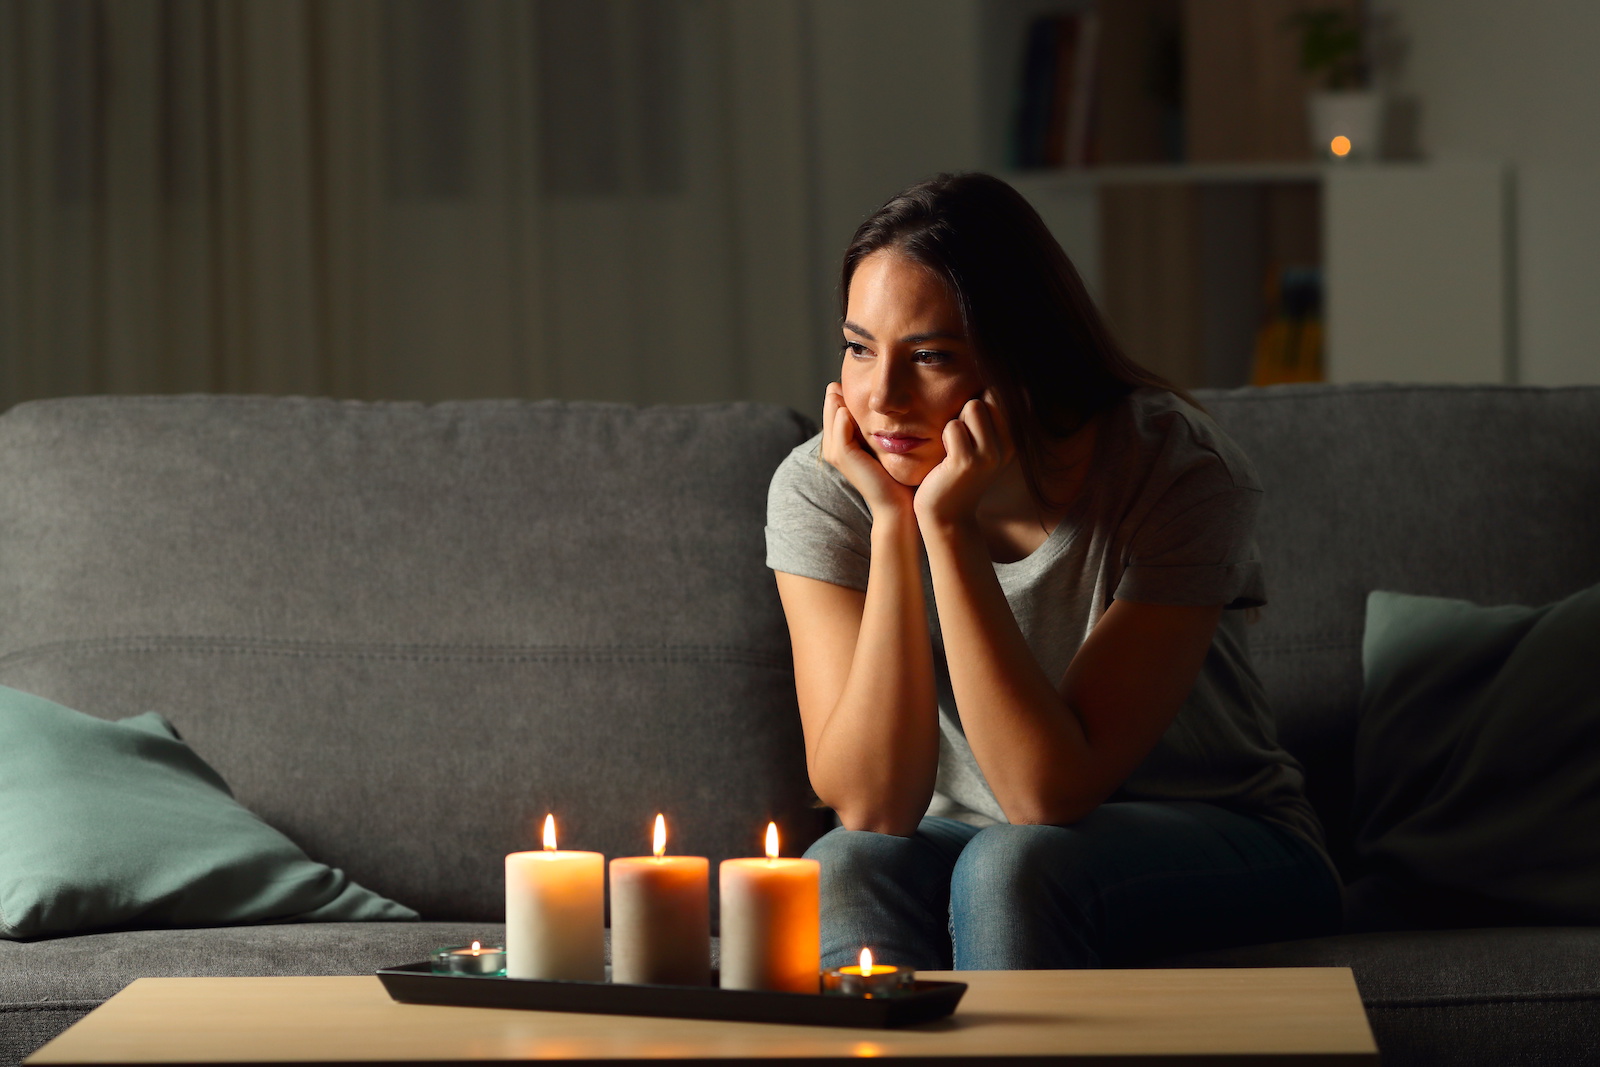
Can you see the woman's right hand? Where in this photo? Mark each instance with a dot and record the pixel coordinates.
(842, 447)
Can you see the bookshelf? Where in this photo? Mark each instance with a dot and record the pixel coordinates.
(1418, 262)
(1200, 193)
(1417, 259)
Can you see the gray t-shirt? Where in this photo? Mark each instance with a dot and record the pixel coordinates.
(1166, 516)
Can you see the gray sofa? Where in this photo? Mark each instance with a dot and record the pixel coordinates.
(403, 633)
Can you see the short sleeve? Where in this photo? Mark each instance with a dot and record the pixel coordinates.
(818, 526)
(1196, 544)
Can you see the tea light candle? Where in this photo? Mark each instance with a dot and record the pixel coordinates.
(868, 979)
(771, 922)
(661, 917)
(555, 913)
(475, 959)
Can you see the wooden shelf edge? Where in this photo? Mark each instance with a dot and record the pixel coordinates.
(1088, 178)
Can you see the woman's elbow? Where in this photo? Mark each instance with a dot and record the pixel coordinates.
(883, 806)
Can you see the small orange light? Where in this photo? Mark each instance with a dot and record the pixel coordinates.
(866, 963)
(1340, 146)
(661, 836)
(772, 840)
(550, 833)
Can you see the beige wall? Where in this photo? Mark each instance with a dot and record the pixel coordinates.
(1517, 82)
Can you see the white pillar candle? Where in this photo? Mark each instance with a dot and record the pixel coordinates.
(771, 922)
(555, 913)
(661, 917)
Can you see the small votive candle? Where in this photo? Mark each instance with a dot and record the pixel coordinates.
(867, 979)
(487, 961)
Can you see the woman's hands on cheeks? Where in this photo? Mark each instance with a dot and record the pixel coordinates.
(842, 447)
(977, 446)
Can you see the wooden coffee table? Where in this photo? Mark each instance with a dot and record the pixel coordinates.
(1257, 1016)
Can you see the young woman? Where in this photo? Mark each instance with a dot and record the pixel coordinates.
(1013, 564)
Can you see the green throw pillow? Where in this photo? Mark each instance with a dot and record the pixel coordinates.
(120, 824)
(1477, 758)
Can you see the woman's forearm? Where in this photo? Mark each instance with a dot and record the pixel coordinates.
(875, 759)
(1030, 745)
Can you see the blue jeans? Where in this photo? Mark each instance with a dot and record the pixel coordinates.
(1131, 882)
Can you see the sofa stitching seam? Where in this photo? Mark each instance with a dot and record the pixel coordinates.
(412, 653)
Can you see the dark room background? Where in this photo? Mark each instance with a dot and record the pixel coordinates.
(644, 200)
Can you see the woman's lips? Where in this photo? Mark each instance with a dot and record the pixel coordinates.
(896, 443)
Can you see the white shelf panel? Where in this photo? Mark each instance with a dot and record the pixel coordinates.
(1419, 274)
(1180, 174)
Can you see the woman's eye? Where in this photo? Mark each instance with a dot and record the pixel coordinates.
(855, 348)
(930, 357)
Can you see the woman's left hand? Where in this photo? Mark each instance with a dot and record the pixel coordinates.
(977, 446)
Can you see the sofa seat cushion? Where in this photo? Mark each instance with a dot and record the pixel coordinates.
(91, 967)
(47, 985)
(1503, 995)
(1512, 962)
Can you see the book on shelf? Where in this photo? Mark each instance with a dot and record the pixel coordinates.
(1054, 115)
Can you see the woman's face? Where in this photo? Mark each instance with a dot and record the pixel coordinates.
(908, 366)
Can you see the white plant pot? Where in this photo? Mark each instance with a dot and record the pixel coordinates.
(1346, 126)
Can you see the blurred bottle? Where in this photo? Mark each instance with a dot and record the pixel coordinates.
(1289, 342)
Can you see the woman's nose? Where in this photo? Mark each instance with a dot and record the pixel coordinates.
(890, 395)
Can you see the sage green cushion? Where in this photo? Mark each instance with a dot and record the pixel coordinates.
(1478, 757)
(120, 824)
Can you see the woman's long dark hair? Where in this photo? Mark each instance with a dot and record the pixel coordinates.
(1041, 344)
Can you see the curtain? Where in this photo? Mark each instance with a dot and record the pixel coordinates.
(414, 199)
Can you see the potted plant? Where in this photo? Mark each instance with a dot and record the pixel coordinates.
(1345, 113)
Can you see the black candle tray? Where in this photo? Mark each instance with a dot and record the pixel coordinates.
(415, 983)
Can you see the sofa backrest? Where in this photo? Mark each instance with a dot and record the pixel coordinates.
(404, 633)
(1489, 494)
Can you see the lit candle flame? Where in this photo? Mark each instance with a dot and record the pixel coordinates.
(477, 947)
(866, 963)
(772, 841)
(550, 833)
(661, 836)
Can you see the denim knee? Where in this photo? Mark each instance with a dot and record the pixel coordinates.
(865, 871)
(1006, 863)
(884, 892)
(1018, 899)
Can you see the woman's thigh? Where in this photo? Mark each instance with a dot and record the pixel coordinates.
(889, 894)
(1131, 882)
